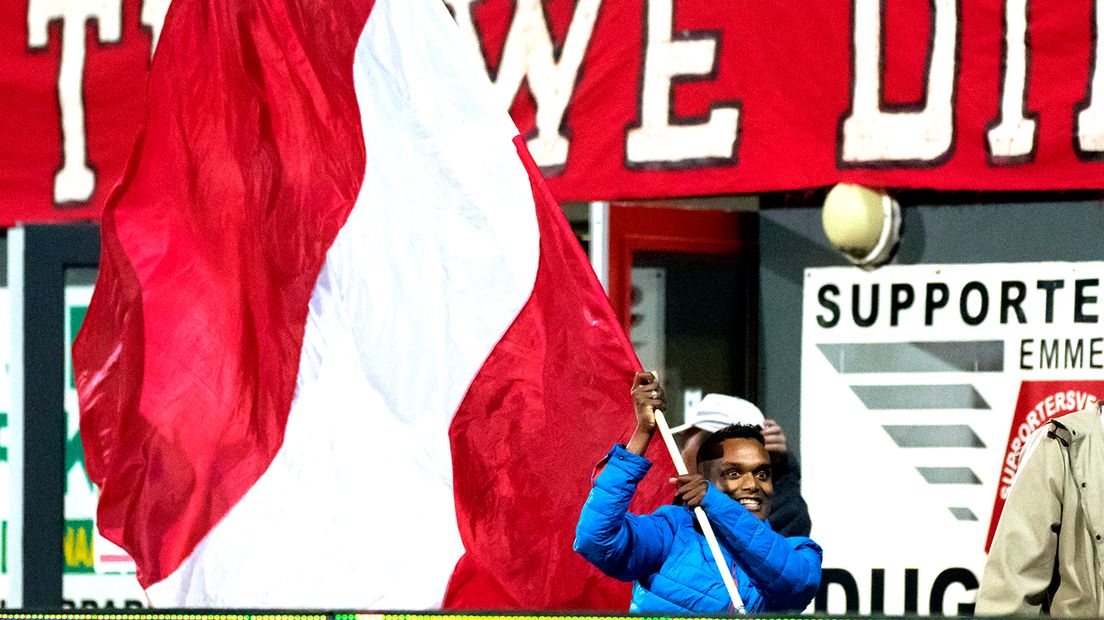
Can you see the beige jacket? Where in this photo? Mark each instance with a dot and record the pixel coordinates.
(1047, 551)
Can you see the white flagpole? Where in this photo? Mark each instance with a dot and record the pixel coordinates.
(707, 529)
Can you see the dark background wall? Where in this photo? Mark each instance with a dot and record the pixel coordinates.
(792, 239)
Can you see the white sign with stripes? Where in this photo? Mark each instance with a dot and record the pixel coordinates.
(911, 377)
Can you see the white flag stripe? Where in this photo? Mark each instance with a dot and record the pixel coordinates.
(437, 258)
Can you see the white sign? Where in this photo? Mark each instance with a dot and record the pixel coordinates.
(916, 382)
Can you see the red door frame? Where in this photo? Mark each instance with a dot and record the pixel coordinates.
(636, 228)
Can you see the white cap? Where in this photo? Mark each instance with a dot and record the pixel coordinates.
(716, 411)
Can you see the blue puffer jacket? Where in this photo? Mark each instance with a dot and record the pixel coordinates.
(669, 559)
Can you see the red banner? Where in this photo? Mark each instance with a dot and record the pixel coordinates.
(647, 99)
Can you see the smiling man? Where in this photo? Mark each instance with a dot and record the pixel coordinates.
(736, 461)
(664, 553)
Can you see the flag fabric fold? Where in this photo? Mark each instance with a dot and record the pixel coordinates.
(342, 337)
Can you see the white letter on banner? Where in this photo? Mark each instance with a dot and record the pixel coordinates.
(1089, 122)
(530, 52)
(75, 182)
(1012, 136)
(921, 136)
(153, 17)
(655, 140)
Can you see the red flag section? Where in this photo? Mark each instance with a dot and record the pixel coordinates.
(538, 415)
(246, 170)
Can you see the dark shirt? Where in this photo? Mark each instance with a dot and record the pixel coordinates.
(789, 515)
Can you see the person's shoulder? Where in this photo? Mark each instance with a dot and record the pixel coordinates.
(1077, 425)
(1058, 437)
(804, 542)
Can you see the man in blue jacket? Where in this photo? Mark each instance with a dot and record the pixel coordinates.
(665, 554)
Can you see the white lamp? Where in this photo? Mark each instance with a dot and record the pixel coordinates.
(862, 223)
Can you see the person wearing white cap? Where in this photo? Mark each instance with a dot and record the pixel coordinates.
(789, 514)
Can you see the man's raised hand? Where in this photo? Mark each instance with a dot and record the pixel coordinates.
(647, 398)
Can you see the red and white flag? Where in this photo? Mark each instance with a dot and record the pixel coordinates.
(342, 336)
